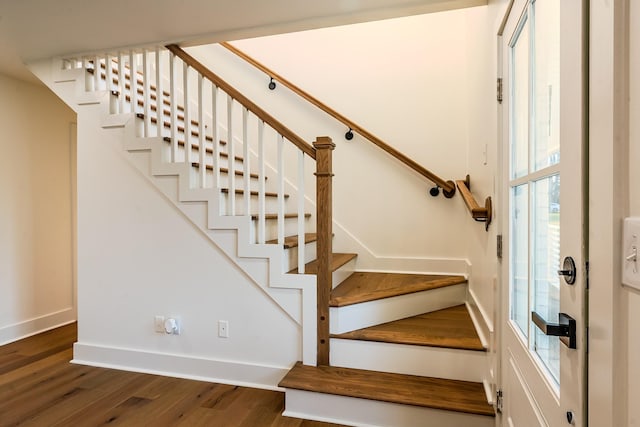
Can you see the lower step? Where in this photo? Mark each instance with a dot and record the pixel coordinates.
(447, 339)
(359, 397)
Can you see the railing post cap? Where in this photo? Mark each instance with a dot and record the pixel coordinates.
(323, 142)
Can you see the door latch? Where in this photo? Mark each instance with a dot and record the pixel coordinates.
(565, 328)
(568, 270)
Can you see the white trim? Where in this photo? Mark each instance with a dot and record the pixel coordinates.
(354, 411)
(481, 320)
(180, 366)
(36, 325)
(368, 260)
(488, 390)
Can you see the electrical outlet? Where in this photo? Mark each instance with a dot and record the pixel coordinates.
(158, 323)
(172, 326)
(223, 328)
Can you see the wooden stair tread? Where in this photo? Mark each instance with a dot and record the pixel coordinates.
(275, 216)
(337, 261)
(449, 328)
(226, 170)
(365, 286)
(451, 395)
(208, 150)
(292, 241)
(254, 193)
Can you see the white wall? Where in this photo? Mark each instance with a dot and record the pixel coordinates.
(403, 80)
(139, 256)
(36, 271)
(412, 82)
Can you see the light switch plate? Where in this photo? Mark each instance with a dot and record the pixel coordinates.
(630, 255)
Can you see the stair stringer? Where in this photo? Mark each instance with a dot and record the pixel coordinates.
(262, 263)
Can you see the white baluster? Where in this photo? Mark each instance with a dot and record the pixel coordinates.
(88, 77)
(245, 162)
(174, 107)
(187, 119)
(96, 73)
(215, 136)
(261, 185)
(280, 190)
(159, 93)
(108, 76)
(147, 92)
(202, 149)
(231, 154)
(121, 85)
(133, 81)
(301, 234)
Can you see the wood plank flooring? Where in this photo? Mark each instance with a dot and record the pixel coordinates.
(437, 393)
(451, 328)
(364, 286)
(40, 388)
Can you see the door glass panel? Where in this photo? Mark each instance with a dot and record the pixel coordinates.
(546, 84)
(545, 263)
(520, 257)
(535, 178)
(520, 102)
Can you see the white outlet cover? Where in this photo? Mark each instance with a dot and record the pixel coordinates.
(631, 245)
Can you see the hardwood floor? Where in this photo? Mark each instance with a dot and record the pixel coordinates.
(40, 388)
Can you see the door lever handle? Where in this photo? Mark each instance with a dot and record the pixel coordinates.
(565, 328)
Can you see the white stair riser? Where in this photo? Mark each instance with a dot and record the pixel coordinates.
(271, 206)
(292, 255)
(370, 413)
(343, 272)
(358, 316)
(455, 364)
(290, 227)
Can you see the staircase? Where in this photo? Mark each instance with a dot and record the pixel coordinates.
(404, 348)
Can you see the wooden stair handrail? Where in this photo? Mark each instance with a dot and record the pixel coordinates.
(246, 102)
(478, 213)
(448, 187)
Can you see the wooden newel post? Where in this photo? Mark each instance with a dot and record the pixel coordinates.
(324, 176)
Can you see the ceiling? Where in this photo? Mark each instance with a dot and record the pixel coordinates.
(35, 29)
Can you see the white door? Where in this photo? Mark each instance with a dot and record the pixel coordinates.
(543, 378)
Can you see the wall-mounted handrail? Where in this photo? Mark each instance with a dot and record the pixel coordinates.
(478, 213)
(448, 187)
(246, 102)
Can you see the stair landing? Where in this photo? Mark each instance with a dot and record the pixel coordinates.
(364, 286)
(449, 328)
(451, 395)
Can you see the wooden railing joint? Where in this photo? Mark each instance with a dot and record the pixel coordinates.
(478, 213)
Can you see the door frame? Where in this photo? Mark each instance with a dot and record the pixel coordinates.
(608, 143)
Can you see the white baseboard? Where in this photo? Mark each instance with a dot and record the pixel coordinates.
(36, 325)
(180, 366)
(480, 318)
